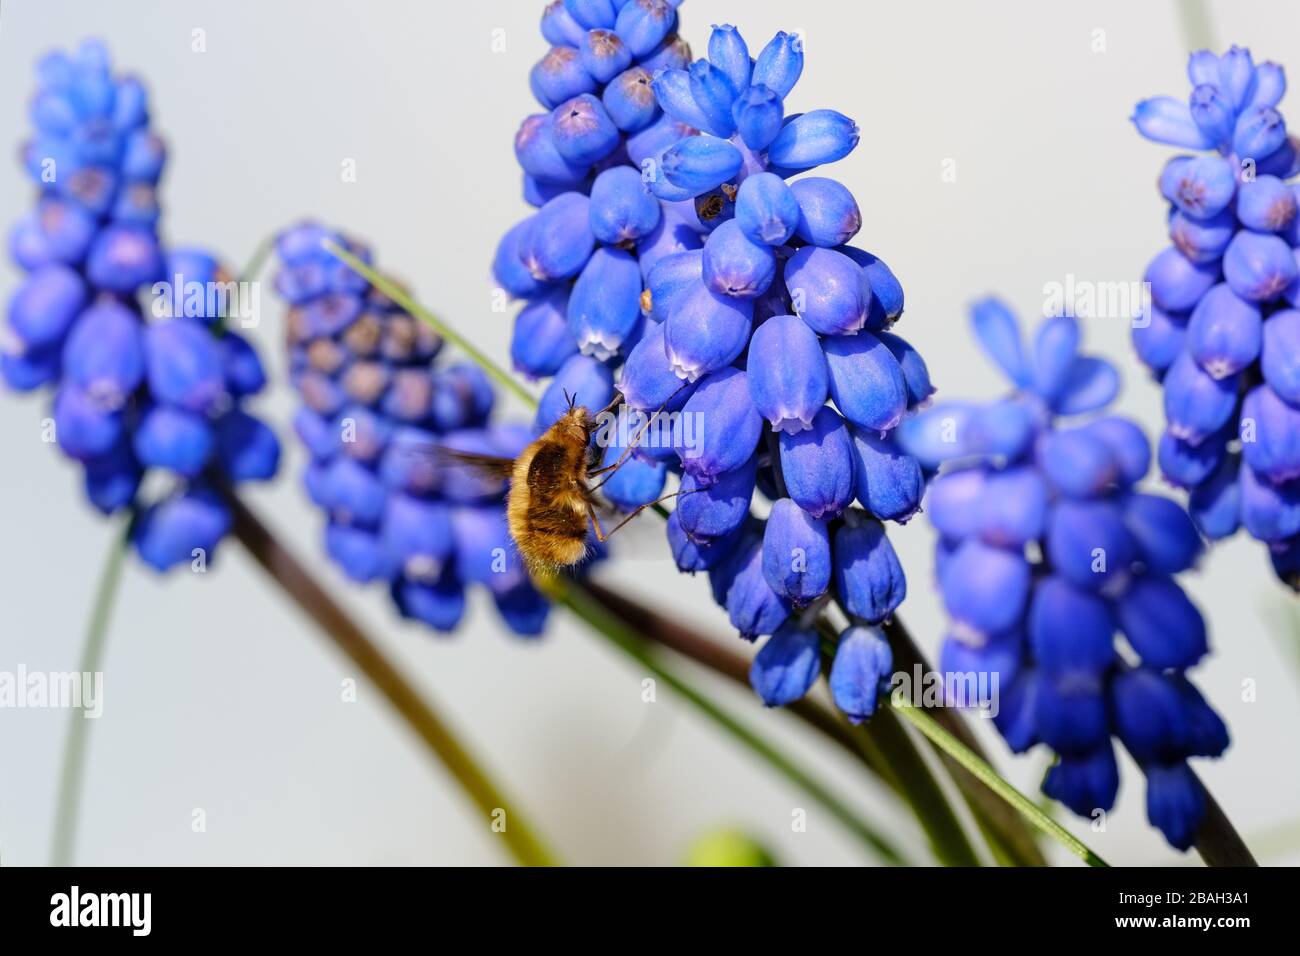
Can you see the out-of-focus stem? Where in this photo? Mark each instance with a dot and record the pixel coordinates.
(286, 571)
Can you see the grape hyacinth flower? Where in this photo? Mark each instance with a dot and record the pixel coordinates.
(682, 255)
(1222, 329)
(132, 391)
(375, 412)
(1047, 549)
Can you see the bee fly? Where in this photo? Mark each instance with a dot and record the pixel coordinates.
(551, 503)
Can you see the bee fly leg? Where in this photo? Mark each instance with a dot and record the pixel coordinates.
(608, 470)
(606, 535)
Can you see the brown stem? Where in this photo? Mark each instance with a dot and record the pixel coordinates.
(286, 571)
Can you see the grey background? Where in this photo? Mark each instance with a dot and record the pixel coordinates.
(219, 694)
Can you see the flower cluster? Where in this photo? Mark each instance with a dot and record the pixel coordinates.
(1223, 329)
(376, 414)
(129, 394)
(674, 240)
(1047, 549)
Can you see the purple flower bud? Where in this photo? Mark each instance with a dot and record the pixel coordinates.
(729, 53)
(980, 655)
(1225, 332)
(1281, 343)
(868, 577)
(592, 14)
(766, 209)
(1215, 504)
(45, 305)
(1178, 284)
(416, 537)
(630, 101)
(955, 503)
(181, 528)
(1164, 119)
(1071, 630)
(507, 266)
(85, 428)
(604, 55)
(648, 381)
(1055, 348)
(558, 76)
(1175, 802)
(1084, 782)
(586, 381)
(1236, 75)
(985, 588)
(143, 157)
(1258, 267)
(605, 305)
(1266, 204)
(1127, 443)
(1196, 404)
(541, 341)
(999, 335)
(735, 266)
(636, 482)
(1166, 537)
(887, 482)
(246, 447)
(796, 553)
(353, 493)
(915, 374)
(758, 114)
(714, 94)
(184, 365)
(558, 240)
(523, 608)
(788, 379)
(1204, 733)
(1259, 132)
(727, 426)
(620, 208)
(1212, 113)
(1268, 512)
(813, 139)
(1202, 240)
(779, 64)
(672, 279)
(582, 131)
(828, 290)
(828, 213)
(886, 291)
(643, 24)
(715, 511)
(537, 153)
(787, 666)
(863, 663)
(817, 464)
(700, 163)
(1200, 187)
(104, 354)
(1163, 626)
(692, 555)
(1015, 718)
(753, 607)
(673, 53)
(1187, 465)
(866, 381)
(706, 332)
(1077, 463)
(174, 439)
(1270, 432)
(357, 551)
(1089, 545)
(672, 236)
(123, 258)
(1011, 507)
(440, 605)
(1149, 715)
(113, 479)
(672, 88)
(1159, 339)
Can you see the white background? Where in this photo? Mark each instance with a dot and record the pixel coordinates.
(220, 695)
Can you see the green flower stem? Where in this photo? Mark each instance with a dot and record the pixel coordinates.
(1010, 840)
(619, 634)
(980, 769)
(882, 746)
(64, 837)
(399, 295)
(286, 571)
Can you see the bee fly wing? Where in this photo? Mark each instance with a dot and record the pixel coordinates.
(496, 466)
